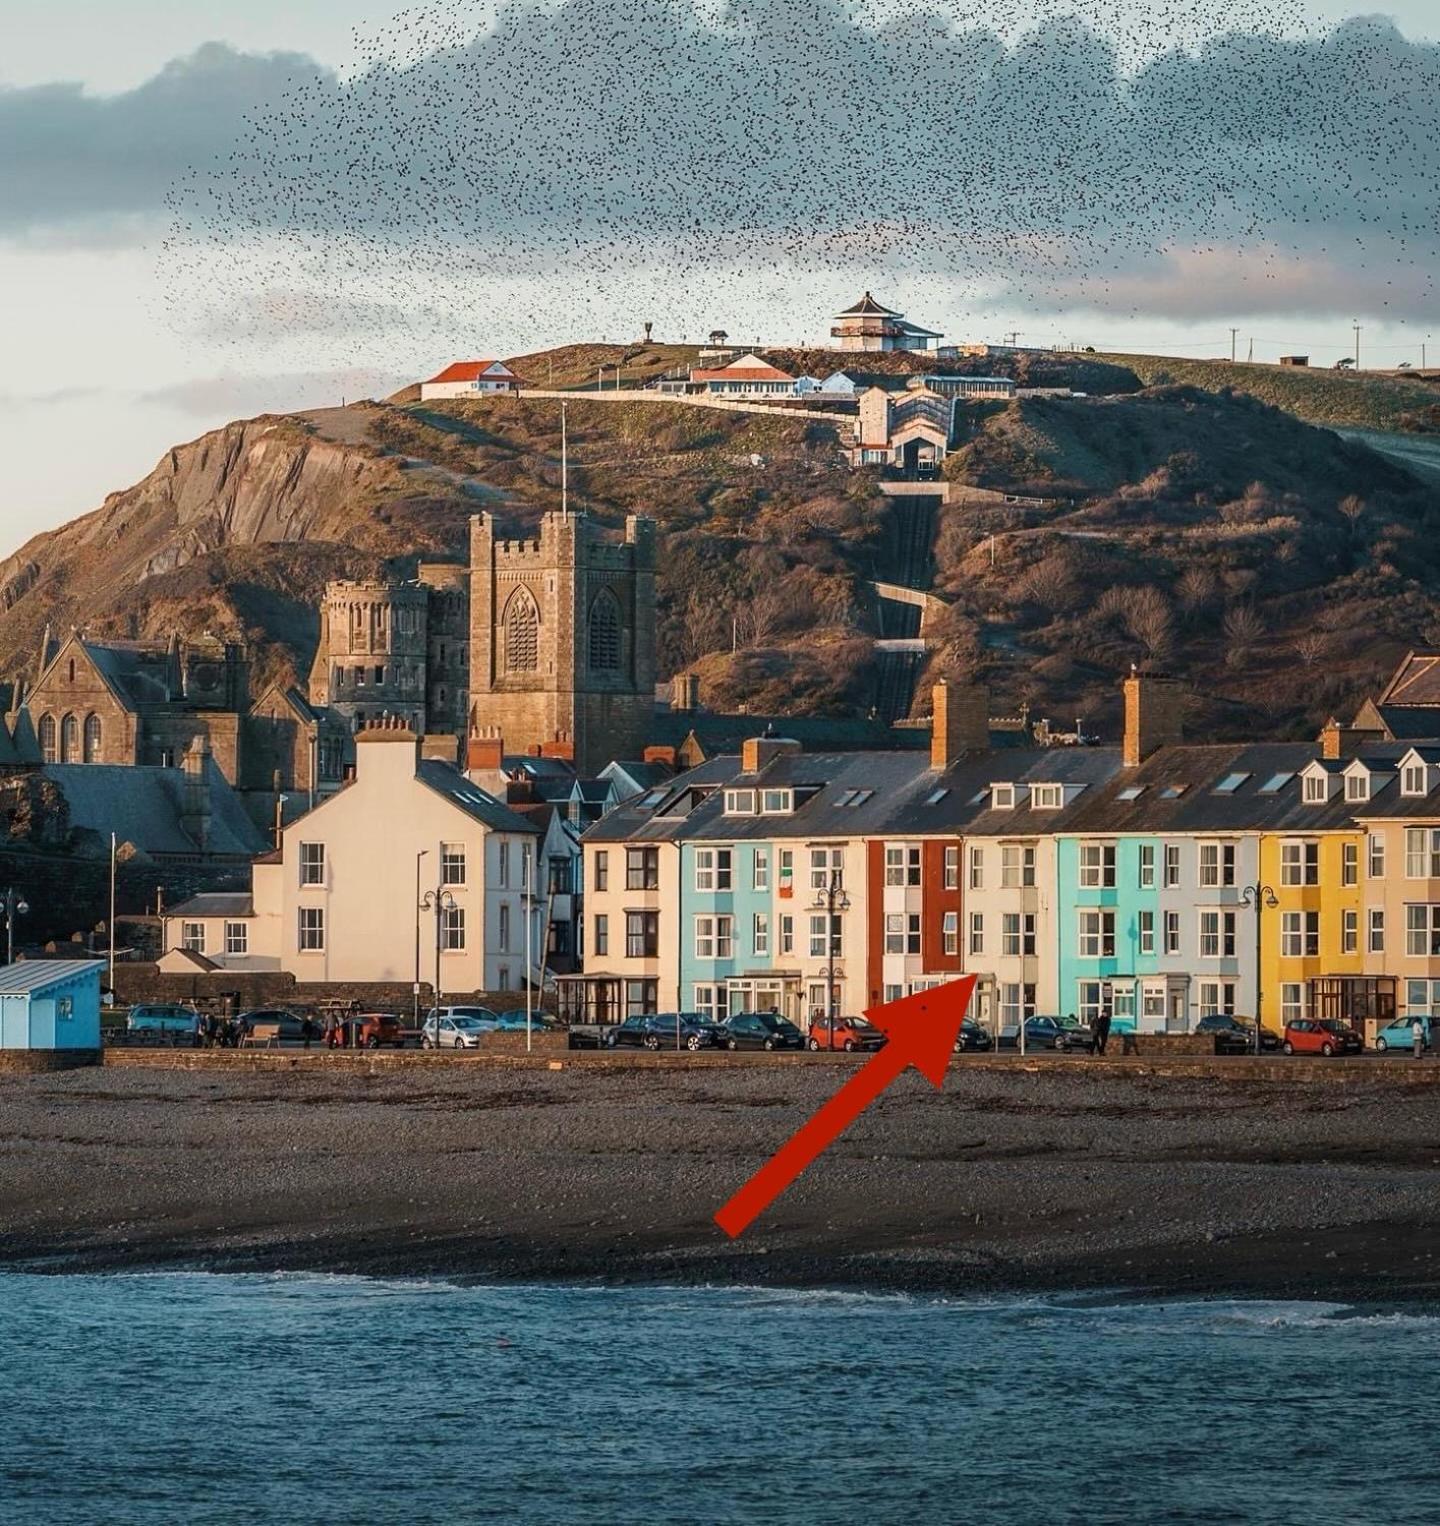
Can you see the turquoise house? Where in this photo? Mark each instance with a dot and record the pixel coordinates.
(50, 1004)
(1111, 927)
(727, 941)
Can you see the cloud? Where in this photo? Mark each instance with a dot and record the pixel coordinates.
(87, 170)
(234, 396)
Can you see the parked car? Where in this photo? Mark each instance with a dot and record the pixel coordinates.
(851, 1033)
(664, 1030)
(761, 1030)
(171, 1020)
(457, 1027)
(289, 1025)
(1397, 1035)
(374, 1029)
(1058, 1033)
(972, 1036)
(514, 1022)
(1235, 1035)
(1310, 1035)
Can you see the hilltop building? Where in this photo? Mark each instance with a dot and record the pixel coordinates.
(749, 376)
(869, 325)
(470, 378)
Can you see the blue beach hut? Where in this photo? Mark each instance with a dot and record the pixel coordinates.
(50, 1004)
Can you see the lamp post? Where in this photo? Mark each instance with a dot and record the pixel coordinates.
(1262, 898)
(439, 901)
(15, 906)
(418, 907)
(831, 899)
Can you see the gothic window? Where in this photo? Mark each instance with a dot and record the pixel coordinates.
(49, 750)
(522, 633)
(605, 632)
(69, 740)
(92, 738)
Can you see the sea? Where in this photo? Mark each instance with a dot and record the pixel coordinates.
(129, 1399)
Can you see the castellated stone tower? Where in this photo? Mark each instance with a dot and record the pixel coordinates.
(562, 639)
(371, 660)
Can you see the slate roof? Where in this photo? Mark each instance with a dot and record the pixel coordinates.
(1415, 682)
(31, 975)
(867, 307)
(215, 904)
(470, 798)
(726, 733)
(137, 674)
(864, 794)
(143, 806)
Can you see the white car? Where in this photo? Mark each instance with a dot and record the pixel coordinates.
(459, 1027)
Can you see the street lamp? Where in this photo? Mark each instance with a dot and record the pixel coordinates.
(1262, 898)
(830, 899)
(439, 901)
(419, 899)
(15, 906)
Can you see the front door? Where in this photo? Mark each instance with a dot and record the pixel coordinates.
(1175, 1013)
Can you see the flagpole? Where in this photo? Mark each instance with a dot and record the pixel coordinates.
(564, 466)
(112, 916)
(529, 954)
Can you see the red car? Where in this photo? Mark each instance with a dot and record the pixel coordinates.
(1314, 1035)
(851, 1033)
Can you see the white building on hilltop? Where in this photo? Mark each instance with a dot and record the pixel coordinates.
(470, 378)
(869, 325)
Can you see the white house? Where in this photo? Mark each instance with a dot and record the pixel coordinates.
(749, 376)
(470, 378)
(352, 893)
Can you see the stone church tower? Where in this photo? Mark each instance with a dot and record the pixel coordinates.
(562, 639)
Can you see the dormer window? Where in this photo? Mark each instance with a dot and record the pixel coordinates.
(1047, 797)
(776, 802)
(1002, 797)
(1317, 789)
(1412, 780)
(1357, 786)
(739, 802)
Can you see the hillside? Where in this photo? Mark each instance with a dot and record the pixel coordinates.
(1277, 566)
(1332, 398)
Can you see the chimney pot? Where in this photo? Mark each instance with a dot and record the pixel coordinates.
(960, 722)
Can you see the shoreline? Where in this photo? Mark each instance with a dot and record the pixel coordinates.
(1068, 1180)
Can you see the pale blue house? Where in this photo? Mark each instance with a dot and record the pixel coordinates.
(50, 1004)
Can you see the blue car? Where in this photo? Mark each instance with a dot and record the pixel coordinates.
(1397, 1035)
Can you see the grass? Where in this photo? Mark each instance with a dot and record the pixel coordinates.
(1329, 398)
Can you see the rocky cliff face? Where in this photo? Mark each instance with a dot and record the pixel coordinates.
(273, 481)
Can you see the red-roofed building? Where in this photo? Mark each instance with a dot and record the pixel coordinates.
(747, 377)
(470, 378)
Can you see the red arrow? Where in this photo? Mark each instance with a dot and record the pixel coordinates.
(922, 1030)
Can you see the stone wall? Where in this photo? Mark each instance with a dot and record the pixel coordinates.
(36, 1061)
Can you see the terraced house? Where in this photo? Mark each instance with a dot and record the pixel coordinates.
(1161, 880)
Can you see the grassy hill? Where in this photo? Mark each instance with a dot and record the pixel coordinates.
(1331, 398)
(1277, 567)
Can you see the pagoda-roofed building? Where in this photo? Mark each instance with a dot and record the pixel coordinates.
(870, 325)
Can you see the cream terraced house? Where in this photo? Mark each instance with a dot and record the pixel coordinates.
(341, 899)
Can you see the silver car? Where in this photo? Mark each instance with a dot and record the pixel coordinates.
(458, 1027)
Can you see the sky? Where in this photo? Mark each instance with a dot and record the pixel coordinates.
(207, 210)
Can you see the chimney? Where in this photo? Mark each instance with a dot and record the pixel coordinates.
(1338, 740)
(387, 746)
(758, 752)
(665, 755)
(557, 747)
(685, 691)
(485, 753)
(959, 722)
(195, 797)
(1154, 710)
(444, 746)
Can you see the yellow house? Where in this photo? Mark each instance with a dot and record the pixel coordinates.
(1313, 940)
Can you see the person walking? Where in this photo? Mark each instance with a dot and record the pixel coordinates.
(1417, 1035)
(1102, 1030)
(330, 1036)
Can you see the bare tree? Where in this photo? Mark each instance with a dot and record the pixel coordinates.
(700, 627)
(1353, 507)
(1243, 628)
(763, 617)
(1309, 647)
(1196, 589)
(1051, 584)
(1151, 622)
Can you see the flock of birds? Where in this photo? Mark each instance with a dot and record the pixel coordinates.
(574, 166)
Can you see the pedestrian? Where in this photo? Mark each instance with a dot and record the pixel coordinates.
(307, 1029)
(1102, 1030)
(1417, 1035)
(330, 1038)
